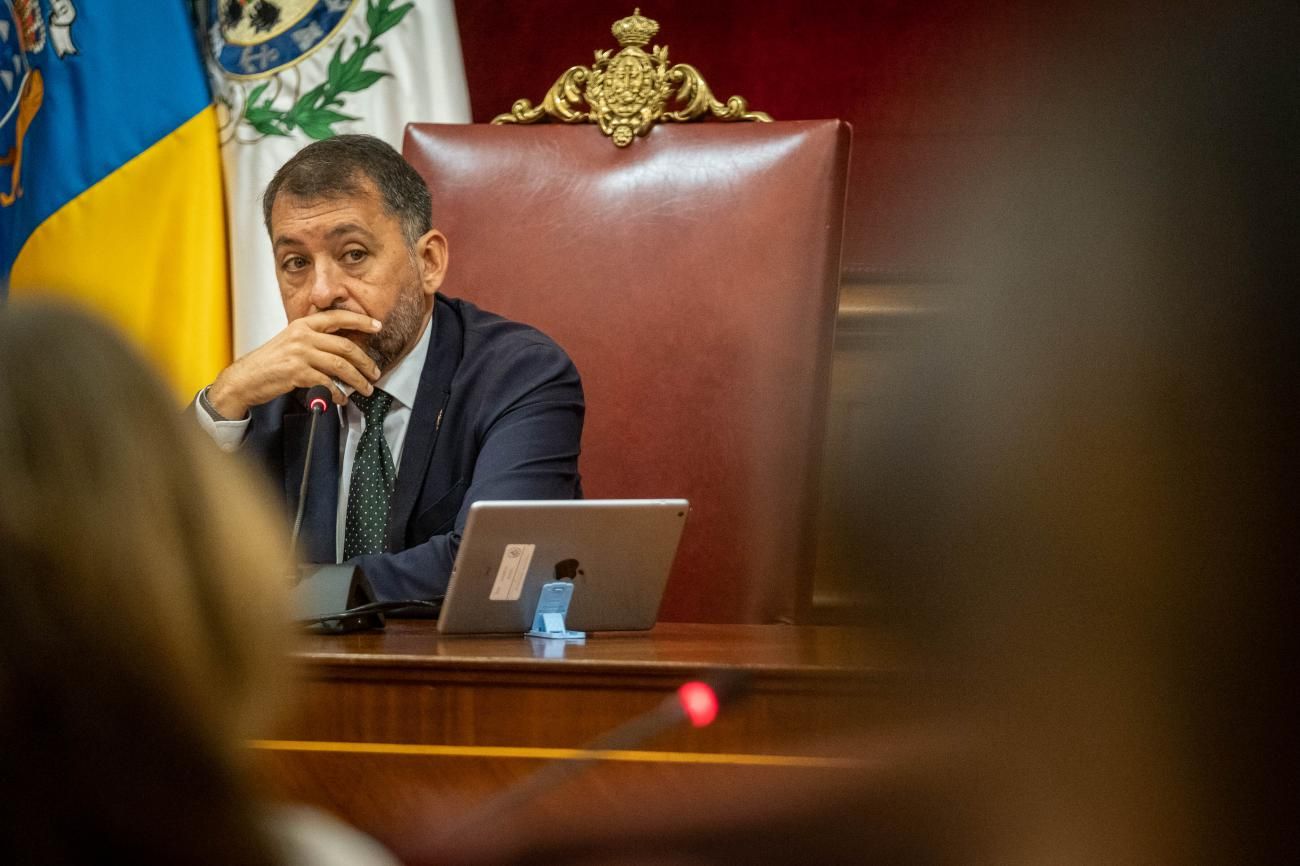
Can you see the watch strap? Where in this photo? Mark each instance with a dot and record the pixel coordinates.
(206, 403)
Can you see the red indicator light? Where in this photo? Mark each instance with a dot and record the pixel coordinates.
(699, 703)
(318, 405)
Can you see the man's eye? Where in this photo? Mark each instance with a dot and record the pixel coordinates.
(294, 263)
(355, 256)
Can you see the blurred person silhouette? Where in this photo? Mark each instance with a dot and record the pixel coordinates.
(1078, 502)
(143, 622)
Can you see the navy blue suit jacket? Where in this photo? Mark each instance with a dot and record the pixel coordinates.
(498, 415)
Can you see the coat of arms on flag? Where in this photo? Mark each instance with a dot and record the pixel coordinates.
(257, 46)
(23, 28)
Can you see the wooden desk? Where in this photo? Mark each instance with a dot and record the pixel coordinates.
(387, 720)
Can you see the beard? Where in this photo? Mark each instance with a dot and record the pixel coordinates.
(400, 329)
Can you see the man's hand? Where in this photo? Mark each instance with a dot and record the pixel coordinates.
(308, 352)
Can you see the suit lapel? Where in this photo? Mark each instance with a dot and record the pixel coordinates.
(316, 542)
(426, 417)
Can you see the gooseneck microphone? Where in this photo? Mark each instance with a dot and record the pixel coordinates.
(697, 702)
(318, 400)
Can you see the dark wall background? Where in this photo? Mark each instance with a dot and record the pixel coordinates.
(926, 85)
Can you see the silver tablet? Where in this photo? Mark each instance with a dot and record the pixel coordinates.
(616, 552)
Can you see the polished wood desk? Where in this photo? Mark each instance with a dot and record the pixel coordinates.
(386, 722)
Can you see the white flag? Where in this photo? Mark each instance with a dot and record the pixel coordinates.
(287, 72)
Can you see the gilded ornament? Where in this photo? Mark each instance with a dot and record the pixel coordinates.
(627, 93)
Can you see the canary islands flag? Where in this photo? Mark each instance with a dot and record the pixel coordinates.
(110, 174)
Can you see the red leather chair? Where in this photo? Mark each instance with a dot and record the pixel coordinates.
(693, 277)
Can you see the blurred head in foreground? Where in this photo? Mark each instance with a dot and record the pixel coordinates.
(140, 614)
(1086, 487)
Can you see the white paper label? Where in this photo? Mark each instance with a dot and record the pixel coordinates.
(510, 575)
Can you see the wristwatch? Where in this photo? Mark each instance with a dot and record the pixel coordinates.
(209, 408)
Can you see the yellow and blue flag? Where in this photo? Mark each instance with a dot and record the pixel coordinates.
(110, 174)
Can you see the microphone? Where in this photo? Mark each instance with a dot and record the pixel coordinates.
(696, 702)
(331, 599)
(318, 400)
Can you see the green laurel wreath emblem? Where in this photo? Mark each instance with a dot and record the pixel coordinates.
(316, 111)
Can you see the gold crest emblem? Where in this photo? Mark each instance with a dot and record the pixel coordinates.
(628, 92)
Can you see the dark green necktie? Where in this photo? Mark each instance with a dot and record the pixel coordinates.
(371, 487)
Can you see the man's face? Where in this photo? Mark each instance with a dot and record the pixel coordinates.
(349, 253)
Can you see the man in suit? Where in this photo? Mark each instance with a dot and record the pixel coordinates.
(438, 404)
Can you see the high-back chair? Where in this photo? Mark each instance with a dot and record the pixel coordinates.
(691, 271)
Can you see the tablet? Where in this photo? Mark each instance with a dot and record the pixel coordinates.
(616, 552)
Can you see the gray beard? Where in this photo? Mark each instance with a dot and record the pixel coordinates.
(400, 328)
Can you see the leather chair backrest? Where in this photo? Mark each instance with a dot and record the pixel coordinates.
(693, 278)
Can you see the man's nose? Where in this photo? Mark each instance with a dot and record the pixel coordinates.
(327, 288)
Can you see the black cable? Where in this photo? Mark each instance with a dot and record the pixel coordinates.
(374, 607)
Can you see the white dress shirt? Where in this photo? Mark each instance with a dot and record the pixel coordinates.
(402, 382)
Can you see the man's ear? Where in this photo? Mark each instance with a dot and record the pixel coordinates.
(431, 249)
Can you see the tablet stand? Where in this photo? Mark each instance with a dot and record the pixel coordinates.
(552, 607)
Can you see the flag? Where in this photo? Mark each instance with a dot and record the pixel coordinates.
(288, 72)
(110, 174)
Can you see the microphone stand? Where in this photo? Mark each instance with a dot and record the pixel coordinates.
(317, 402)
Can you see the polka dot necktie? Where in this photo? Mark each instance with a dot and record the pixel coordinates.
(371, 487)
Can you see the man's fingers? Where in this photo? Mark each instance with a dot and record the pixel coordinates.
(345, 348)
(329, 321)
(338, 367)
(308, 352)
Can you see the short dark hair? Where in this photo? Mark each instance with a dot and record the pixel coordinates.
(334, 167)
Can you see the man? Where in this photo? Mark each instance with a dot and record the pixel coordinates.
(438, 403)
